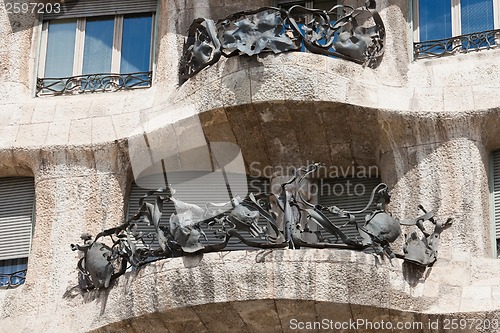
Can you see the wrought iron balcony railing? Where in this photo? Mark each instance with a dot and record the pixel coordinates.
(459, 44)
(92, 83)
(12, 280)
(238, 219)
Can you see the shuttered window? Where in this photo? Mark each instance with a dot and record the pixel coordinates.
(495, 196)
(17, 196)
(351, 194)
(89, 8)
(203, 189)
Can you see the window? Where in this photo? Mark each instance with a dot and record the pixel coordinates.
(194, 189)
(326, 5)
(17, 196)
(455, 24)
(351, 193)
(97, 46)
(316, 4)
(495, 198)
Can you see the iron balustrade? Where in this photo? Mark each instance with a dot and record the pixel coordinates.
(92, 83)
(459, 44)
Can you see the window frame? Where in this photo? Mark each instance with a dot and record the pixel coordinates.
(79, 46)
(495, 235)
(308, 3)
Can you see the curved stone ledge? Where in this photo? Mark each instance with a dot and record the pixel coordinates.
(276, 316)
(239, 280)
(293, 78)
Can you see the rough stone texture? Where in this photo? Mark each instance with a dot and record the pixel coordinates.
(428, 125)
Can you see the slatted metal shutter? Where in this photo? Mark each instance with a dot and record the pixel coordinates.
(496, 191)
(88, 8)
(17, 196)
(346, 193)
(203, 188)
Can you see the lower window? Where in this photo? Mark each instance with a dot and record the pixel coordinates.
(17, 198)
(13, 272)
(495, 197)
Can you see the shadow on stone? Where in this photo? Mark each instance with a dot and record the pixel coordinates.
(414, 274)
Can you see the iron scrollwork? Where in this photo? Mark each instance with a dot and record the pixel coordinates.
(358, 35)
(459, 44)
(114, 250)
(92, 83)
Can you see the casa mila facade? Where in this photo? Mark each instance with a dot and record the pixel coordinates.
(236, 166)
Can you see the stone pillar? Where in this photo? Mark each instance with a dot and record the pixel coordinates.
(77, 191)
(442, 165)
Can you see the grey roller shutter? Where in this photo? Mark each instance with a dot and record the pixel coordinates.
(349, 194)
(203, 188)
(496, 192)
(87, 8)
(17, 196)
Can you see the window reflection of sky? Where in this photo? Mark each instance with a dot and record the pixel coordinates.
(98, 45)
(11, 266)
(435, 19)
(477, 15)
(60, 48)
(136, 43)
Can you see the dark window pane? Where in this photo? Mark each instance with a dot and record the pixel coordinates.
(435, 19)
(288, 5)
(136, 47)
(324, 4)
(12, 272)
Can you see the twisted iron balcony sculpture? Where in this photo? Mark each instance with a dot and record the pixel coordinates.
(358, 35)
(184, 236)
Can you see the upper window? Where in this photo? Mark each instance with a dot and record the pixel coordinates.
(326, 5)
(17, 196)
(316, 4)
(97, 46)
(444, 27)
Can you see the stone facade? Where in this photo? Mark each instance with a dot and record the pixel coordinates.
(429, 126)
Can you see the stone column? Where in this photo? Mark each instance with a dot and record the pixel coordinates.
(77, 191)
(441, 164)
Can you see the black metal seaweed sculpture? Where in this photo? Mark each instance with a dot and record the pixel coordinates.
(114, 250)
(357, 35)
